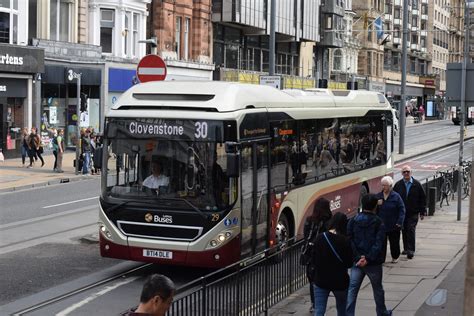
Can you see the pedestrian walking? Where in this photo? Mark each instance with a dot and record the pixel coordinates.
(313, 226)
(61, 148)
(55, 149)
(34, 147)
(414, 199)
(24, 145)
(367, 234)
(156, 297)
(392, 212)
(86, 149)
(332, 258)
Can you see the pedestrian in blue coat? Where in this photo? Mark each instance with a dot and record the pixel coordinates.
(391, 210)
(366, 232)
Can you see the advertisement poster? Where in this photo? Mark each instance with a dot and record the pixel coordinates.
(53, 115)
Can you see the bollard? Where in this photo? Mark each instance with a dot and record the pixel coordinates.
(431, 201)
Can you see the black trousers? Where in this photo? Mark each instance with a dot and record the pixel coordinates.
(409, 233)
(394, 238)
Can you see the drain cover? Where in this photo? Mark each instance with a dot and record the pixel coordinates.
(437, 298)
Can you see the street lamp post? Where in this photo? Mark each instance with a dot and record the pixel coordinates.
(401, 139)
(271, 57)
(462, 111)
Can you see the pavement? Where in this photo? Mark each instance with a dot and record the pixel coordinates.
(14, 176)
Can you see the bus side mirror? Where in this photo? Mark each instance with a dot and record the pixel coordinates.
(233, 165)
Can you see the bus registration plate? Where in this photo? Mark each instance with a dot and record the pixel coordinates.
(157, 254)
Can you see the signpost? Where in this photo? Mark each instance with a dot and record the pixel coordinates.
(151, 68)
(70, 76)
(273, 81)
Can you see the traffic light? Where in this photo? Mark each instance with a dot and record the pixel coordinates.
(83, 102)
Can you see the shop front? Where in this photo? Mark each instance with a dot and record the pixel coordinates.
(18, 67)
(59, 100)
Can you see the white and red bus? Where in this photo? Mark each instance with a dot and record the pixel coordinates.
(239, 167)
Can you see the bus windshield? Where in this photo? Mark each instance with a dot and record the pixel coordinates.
(184, 171)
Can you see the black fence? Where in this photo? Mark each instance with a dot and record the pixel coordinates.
(436, 181)
(248, 287)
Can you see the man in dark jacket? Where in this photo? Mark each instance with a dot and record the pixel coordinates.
(367, 234)
(414, 198)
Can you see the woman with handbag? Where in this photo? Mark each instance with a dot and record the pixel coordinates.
(332, 258)
(314, 225)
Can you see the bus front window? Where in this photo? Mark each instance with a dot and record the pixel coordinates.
(178, 170)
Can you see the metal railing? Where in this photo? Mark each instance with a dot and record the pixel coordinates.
(249, 287)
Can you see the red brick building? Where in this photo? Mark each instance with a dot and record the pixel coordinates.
(183, 30)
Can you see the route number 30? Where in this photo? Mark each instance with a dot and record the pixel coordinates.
(201, 130)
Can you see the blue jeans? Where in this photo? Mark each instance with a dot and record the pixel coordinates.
(321, 301)
(87, 161)
(375, 276)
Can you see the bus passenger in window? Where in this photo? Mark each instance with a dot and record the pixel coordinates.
(347, 151)
(156, 180)
(380, 149)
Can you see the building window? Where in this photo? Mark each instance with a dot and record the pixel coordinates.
(369, 63)
(107, 23)
(328, 22)
(337, 60)
(177, 40)
(135, 34)
(187, 23)
(423, 41)
(59, 22)
(126, 36)
(395, 61)
(397, 13)
(9, 22)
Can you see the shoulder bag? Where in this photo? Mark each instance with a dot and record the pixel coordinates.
(332, 248)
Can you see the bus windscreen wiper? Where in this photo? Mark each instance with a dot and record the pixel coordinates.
(113, 208)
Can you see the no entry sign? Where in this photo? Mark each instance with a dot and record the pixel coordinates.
(151, 68)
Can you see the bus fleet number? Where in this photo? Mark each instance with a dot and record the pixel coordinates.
(201, 130)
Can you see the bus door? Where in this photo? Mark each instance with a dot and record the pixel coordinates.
(255, 196)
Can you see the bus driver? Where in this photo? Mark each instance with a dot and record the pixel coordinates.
(156, 180)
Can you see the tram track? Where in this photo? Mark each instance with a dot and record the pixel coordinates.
(82, 289)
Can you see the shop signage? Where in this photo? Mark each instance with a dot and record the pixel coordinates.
(13, 87)
(21, 59)
(272, 81)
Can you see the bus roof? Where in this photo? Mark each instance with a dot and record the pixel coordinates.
(221, 96)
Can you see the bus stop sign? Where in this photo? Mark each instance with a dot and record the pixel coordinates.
(151, 68)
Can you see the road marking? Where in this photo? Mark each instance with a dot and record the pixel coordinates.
(92, 297)
(46, 217)
(75, 201)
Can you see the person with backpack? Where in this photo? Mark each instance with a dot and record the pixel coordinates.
(314, 225)
(367, 234)
(332, 258)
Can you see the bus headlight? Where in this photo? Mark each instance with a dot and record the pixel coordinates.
(219, 239)
(105, 232)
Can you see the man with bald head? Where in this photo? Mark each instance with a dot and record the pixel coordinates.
(414, 198)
